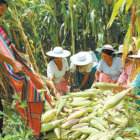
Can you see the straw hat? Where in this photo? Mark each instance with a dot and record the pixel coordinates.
(121, 49)
(108, 47)
(58, 52)
(135, 56)
(82, 58)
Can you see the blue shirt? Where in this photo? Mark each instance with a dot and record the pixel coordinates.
(114, 70)
(136, 86)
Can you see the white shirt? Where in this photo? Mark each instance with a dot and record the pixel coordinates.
(114, 70)
(83, 69)
(55, 73)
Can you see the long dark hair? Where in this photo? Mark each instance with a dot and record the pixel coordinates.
(108, 52)
(3, 2)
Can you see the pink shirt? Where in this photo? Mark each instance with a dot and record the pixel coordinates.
(125, 74)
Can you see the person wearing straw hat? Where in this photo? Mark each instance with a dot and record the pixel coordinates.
(58, 70)
(124, 77)
(120, 51)
(109, 67)
(82, 70)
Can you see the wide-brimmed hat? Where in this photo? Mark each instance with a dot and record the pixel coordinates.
(58, 52)
(121, 49)
(82, 58)
(135, 56)
(108, 47)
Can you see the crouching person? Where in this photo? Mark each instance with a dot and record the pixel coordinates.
(82, 71)
(58, 70)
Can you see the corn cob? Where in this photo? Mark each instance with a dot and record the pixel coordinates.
(95, 136)
(118, 121)
(50, 136)
(104, 86)
(106, 137)
(84, 136)
(69, 123)
(78, 99)
(87, 130)
(74, 135)
(88, 118)
(49, 126)
(97, 125)
(76, 114)
(114, 100)
(86, 94)
(79, 125)
(119, 138)
(48, 116)
(81, 103)
(101, 121)
(64, 134)
(47, 106)
(61, 105)
(57, 132)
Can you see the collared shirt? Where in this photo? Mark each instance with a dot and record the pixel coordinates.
(114, 70)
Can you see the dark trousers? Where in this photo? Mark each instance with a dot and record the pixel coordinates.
(1, 116)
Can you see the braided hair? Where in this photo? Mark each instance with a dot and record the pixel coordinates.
(3, 2)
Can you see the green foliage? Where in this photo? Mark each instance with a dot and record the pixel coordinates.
(14, 126)
(49, 23)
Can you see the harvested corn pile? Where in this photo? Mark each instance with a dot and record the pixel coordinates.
(93, 114)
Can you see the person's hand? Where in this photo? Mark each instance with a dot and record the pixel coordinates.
(67, 82)
(78, 89)
(17, 67)
(57, 95)
(118, 89)
(54, 91)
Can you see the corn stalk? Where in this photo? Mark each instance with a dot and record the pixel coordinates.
(72, 25)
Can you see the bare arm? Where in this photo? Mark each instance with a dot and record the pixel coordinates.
(53, 86)
(72, 80)
(17, 67)
(96, 76)
(85, 79)
(67, 76)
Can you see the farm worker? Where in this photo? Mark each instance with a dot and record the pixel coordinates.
(124, 77)
(58, 70)
(120, 51)
(17, 67)
(109, 67)
(82, 70)
(135, 83)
